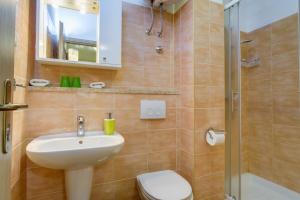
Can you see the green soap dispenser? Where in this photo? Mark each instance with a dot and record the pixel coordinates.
(109, 125)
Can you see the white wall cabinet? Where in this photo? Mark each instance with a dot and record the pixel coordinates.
(110, 52)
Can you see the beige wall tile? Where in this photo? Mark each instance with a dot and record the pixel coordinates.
(187, 118)
(202, 96)
(105, 191)
(288, 177)
(56, 196)
(287, 61)
(44, 181)
(216, 13)
(18, 127)
(162, 140)
(18, 190)
(130, 166)
(208, 186)
(287, 116)
(186, 140)
(164, 160)
(187, 76)
(216, 32)
(94, 100)
(203, 74)
(202, 165)
(203, 55)
(128, 101)
(217, 54)
(136, 143)
(18, 164)
(43, 100)
(217, 74)
(104, 172)
(217, 97)
(187, 96)
(49, 121)
(126, 189)
(186, 163)
(156, 77)
(202, 119)
(282, 47)
(128, 121)
(202, 31)
(285, 28)
(201, 8)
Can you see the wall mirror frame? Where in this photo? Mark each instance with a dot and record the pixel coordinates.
(61, 40)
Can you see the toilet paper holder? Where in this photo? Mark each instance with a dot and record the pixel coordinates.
(216, 131)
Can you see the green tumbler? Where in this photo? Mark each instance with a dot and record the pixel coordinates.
(76, 83)
(65, 81)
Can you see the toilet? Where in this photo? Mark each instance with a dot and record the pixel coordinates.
(163, 185)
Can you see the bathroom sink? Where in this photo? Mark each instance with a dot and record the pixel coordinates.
(68, 151)
(76, 156)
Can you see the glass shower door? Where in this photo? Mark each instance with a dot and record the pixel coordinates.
(262, 80)
(233, 100)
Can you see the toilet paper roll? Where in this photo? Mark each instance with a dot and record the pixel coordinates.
(215, 138)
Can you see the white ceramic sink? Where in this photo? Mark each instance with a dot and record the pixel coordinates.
(68, 151)
(76, 155)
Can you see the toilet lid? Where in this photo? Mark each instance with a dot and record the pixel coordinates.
(166, 185)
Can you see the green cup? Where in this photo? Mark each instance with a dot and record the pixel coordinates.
(65, 81)
(76, 83)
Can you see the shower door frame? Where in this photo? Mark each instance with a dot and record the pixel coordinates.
(233, 58)
(232, 101)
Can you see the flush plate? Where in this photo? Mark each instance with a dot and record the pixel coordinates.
(153, 109)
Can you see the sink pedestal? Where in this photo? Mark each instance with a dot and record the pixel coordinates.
(79, 183)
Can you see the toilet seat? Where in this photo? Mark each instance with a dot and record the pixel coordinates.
(164, 185)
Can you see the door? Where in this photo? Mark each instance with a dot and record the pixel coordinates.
(232, 101)
(7, 41)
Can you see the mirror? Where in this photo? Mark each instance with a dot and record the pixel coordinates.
(69, 31)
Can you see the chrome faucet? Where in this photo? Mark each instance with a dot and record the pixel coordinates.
(80, 126)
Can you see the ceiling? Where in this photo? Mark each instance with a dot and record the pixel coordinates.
(255, 14)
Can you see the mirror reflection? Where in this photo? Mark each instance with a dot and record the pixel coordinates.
(69, 30)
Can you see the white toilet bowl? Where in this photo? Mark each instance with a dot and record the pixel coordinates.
(164, 185)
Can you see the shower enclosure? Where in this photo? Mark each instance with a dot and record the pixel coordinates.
(262, 100)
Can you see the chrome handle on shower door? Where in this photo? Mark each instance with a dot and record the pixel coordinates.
(5, 108)
(233, 96)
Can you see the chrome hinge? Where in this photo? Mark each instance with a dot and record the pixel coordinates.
(229, 197)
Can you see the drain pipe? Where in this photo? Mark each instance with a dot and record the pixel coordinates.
(161, 9)
(149, 30)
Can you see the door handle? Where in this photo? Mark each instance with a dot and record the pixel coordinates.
(11, 107)
(8, 106)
